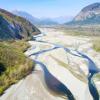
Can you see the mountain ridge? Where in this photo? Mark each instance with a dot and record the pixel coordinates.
(34, 20)
(88, 15)
(15, 27)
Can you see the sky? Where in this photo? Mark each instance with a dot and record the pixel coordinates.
(47, 8)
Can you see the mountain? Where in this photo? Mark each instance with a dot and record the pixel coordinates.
(88, 15)
(15, 27)
(34, 20)
(47, 21)
(57, 20)
(62, 19)
(27, 16)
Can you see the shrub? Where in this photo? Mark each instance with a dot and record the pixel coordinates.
(14, 65)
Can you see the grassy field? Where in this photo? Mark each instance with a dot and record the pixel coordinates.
(97, 77)
(14, 65)
(22, 45)
(96, 44)
(80, 30)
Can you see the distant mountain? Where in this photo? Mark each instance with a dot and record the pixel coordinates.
(34, 20)
(88, 15)
(47, 21)
(15, 27)
(62, 19)
(27, 16)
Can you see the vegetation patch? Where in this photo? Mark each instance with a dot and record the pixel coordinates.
(97, 77)
(81, 30)
(96, 44)
(22, 45)
(14, 65)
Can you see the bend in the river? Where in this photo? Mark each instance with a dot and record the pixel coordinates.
(59, 86)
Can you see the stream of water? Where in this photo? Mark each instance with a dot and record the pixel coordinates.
(55, 84)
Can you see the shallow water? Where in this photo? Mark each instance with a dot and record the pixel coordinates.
(58, 86)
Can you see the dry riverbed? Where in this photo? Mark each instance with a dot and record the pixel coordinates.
(70, 70)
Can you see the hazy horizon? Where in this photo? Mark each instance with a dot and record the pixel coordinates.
(47, 8)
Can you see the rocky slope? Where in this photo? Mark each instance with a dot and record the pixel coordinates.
(88, 15)
(15, 27)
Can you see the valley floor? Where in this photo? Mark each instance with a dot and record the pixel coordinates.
(72, 71)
